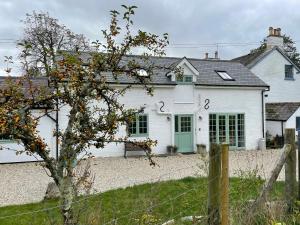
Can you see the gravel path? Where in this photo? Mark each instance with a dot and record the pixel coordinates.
(27, 182)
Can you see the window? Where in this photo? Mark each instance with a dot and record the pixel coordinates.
(289, 75)
(184, 79)
(142, 73)
(5, 138)
(229, 128)
(139, 126)
(224, 75)
(297, 123)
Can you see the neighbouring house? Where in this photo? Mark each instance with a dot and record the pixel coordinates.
(272, 65)
(45, 127)
(280, 116)
(215, 101)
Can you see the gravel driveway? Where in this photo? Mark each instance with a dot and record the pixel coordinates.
(27, 182)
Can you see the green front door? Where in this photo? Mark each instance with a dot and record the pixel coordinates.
(184, 133)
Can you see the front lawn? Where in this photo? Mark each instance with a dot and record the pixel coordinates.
(142, 204)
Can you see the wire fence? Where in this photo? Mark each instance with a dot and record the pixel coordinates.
(175, 196)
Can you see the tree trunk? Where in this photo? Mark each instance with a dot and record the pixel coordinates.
(67, 192)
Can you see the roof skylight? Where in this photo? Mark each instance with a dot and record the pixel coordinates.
(224, 75)
(142, 73)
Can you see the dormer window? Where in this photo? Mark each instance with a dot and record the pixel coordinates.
(184, 79)
(224, 75)
(289, 75)
(189, 72)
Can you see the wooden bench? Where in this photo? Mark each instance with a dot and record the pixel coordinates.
(132, 147)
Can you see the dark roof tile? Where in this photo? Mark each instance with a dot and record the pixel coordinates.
(281, 111)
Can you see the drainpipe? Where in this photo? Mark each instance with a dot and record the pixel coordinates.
(263, 110)
(282, 132)
(56, 128)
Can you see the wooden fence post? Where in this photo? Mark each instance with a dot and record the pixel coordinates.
(225, 185)
(214, 176)
(290, 170)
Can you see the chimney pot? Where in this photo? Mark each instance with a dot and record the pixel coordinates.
(271, 31)
(274, 38)
(279, 31)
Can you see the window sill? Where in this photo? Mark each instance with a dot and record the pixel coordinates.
(8, 141)
(138, 135)
(290, 79)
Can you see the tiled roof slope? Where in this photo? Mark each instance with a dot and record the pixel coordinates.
(207, 72)
(35, 82)
(281, 111)
(254, 57)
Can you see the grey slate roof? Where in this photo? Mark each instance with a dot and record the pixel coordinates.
(207, 72)
(249, 58)
(36, 82)
(253, 58)
(281, 111)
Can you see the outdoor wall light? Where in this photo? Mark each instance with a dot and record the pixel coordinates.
(200, 117)
(168, 118)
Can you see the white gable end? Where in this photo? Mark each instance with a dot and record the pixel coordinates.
(271, 69)
(188, 69)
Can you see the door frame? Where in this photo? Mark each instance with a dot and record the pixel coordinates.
(192, 130)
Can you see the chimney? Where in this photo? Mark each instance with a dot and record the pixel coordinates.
(216, 55)
(206, 55)
(274, 38)
(271, 31)
(279, 31)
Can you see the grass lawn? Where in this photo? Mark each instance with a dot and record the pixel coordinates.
(142, 204)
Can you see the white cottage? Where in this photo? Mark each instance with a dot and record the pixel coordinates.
(214, 101)
(272, 65)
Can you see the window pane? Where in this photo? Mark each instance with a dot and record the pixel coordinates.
(179, 78)
(213, 128)
(176, 124)
(222, 128)
(143, 125)
(232, 130)
(224, 75)
(289, 72)
(132, 127)
(297, 123)
(188, 79)
(241, 130)
(5, 137)
(186, 124)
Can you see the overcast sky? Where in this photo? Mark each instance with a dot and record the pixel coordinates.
(194, 26)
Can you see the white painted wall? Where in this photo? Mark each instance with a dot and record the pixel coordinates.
(45, 128)
(271, 70)
(161, 126)
(233, 101)
(222, 100)
(291, 122)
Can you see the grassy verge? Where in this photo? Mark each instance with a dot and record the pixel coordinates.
(142, 204)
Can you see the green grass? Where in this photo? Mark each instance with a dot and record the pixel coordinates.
(142, 204)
